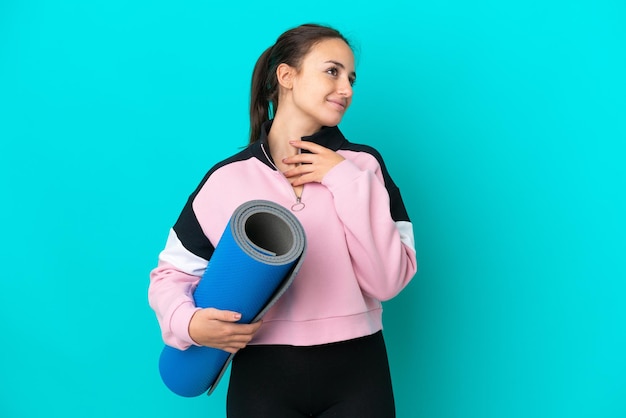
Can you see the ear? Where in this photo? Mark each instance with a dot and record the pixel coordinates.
(285, 74)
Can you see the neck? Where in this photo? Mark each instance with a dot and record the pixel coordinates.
(283, 130)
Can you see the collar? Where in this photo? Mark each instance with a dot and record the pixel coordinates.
(329, 137)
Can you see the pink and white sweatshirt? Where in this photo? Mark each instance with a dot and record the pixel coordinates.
(360, 245)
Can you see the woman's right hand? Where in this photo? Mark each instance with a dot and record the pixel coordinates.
(217, 328)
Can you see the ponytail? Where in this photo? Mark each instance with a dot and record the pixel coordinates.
(261, 94)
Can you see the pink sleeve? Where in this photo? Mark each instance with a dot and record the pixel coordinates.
(384, 259)
(171, 296)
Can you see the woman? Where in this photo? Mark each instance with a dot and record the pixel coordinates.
(319, 351)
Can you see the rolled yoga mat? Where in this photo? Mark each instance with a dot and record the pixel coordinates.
(255, 261)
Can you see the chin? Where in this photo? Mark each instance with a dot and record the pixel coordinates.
(331, 121)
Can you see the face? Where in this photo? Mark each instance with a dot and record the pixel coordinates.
(321, 89)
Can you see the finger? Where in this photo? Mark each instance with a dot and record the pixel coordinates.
(309, 146)
(241, 338)
(222, 315)
(233, 348)
(301, 159)
(256, 325)
(302, 180)
(240, 332)
(238, 340)
(247, 330)
(299, 171)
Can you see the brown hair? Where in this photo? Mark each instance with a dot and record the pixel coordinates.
(290, 48)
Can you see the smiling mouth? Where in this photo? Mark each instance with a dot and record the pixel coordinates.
(339, 104)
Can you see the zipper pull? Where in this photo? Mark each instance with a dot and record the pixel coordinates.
(298, 206)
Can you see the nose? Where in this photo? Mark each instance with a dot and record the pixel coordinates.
(345, 88)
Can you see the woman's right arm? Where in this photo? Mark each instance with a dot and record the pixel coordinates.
(170, 295)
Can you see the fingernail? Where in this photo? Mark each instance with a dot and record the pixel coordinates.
(237, 316)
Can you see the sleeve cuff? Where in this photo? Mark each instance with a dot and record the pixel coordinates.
(343, 173)
(179, 323)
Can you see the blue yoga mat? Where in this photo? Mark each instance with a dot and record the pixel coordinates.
(255, 261)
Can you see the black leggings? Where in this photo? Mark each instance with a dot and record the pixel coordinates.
(348, 379)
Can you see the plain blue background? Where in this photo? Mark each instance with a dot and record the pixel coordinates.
(503, 123)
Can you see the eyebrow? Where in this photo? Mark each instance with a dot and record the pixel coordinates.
(338, 64)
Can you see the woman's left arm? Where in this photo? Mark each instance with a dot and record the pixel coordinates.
(379, 233)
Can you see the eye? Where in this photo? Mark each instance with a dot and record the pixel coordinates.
(334, 71)
(352, 81)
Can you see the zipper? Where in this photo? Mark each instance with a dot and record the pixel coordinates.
(298, 205)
